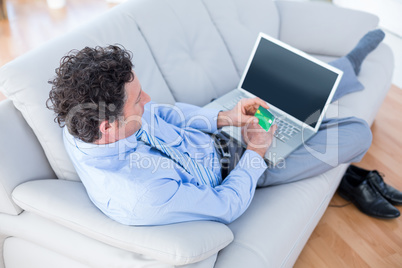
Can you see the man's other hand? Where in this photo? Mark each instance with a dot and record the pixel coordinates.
(241, 114)
(257, 139)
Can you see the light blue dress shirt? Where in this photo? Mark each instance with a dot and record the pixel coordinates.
(135, 184)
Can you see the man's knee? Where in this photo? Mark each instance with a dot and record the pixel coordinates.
(360, 138)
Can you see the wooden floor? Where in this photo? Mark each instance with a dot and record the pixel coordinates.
(344, 237)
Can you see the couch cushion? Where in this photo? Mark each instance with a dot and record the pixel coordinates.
(32, 256)
(47, 234)
(24, 80)
(276, 226)
(188, 49)
(19, 147)
(239, 22)
(67, 203)
(322, 28)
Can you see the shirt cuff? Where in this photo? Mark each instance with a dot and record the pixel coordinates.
(254, 164)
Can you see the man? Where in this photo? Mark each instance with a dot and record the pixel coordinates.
(149, 164)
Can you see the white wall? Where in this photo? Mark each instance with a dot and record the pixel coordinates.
(389, 11)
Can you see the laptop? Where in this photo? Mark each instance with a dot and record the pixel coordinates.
(297, 87)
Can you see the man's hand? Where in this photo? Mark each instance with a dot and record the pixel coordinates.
(241, 114)
(257, 139)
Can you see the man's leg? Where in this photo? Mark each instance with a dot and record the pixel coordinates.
(349, 82)
(366, 44)
(338, 141)
(351, 63)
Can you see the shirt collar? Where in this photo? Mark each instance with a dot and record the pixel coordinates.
(115, 148)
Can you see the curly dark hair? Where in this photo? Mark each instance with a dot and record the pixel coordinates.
(89, 88)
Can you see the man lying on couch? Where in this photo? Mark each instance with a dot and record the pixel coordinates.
(148, 164)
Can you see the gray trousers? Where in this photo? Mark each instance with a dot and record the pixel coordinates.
(338, 141)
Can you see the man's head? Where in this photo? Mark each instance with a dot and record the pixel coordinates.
(96, 94)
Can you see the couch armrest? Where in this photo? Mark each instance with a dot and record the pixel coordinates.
(322, 28)
(22, 158)
(67, 203)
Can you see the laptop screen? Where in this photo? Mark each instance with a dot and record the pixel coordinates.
(289, 81)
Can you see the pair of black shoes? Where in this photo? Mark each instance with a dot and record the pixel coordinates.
(368, 192)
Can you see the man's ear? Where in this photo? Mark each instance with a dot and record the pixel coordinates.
(104, 127)
(107, 131)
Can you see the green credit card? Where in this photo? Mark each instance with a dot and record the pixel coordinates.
(266, 119)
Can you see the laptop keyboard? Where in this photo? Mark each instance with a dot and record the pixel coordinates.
(286, 130)
(232, 103)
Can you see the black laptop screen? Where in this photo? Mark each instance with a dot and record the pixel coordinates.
(289, 81)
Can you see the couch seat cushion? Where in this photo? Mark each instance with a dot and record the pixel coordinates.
(67, 203)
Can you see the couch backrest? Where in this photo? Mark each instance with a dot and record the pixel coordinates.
(183, 50)
(22, 158)
(202, 46)
(239, 23)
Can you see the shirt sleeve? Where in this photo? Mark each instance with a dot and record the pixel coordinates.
(187, 115)
(170, 201)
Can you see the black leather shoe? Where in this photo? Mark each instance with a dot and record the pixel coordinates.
(376, 181)
(366, 198)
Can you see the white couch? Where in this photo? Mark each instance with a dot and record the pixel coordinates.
(188, 51)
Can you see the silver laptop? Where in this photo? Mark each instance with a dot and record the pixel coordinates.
(297, 87)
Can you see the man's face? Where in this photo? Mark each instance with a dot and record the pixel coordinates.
(133, 109)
